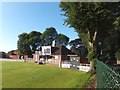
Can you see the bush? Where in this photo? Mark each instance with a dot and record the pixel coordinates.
(118, 54)
(90, 55)
(94, 64)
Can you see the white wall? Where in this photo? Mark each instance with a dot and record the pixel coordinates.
(65, 65)
(82, 68)
(44, 48)
(12, 60)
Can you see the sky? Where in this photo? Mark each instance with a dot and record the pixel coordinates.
(19, 17)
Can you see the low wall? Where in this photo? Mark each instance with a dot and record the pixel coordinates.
(65, 65)
(82, 68)
(29, 60)
(12, 60)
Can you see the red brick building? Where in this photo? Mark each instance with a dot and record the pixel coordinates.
(55, 55)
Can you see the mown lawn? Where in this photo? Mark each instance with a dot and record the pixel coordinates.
(30, 75)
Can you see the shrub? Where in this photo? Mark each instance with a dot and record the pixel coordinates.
(90, 55)
(118, 54)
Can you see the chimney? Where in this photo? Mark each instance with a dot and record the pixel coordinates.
(53, 43)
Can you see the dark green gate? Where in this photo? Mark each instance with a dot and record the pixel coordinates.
(106, 76)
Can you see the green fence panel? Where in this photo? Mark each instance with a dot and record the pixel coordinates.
(107, 77)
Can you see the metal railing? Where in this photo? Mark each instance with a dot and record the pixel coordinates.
(107, 77)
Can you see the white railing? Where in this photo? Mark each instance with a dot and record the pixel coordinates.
(29, 60)
(12, 60)
(65, 65)
(81, 68)
(84, 68)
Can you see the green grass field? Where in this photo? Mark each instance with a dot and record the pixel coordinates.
(30, 75)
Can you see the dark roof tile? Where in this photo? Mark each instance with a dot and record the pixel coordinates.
(61, 50)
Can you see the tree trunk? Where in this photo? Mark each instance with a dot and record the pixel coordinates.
(92, 46)
(91, 66)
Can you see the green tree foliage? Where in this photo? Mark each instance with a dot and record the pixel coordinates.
(35, 41)
(118, 54)
(96, 20)
(24, 44)
(78, 47)
(28, 43)
(62, 39)
(3, 55)
(48, 36)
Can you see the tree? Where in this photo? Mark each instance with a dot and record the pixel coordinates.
(24, 44)
(3, 55)
(95, 20)
(28, 43)
(35, 40)
(48, 36)
(78, 47)
(62, 39)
